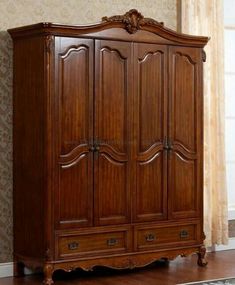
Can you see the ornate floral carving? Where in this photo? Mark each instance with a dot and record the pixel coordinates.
(133, 20)
(49, 43)
(124, 262)
(203, 56)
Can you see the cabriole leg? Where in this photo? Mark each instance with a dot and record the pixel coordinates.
(48, 272)
(202, 256)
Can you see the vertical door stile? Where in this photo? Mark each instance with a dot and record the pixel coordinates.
(170, 115)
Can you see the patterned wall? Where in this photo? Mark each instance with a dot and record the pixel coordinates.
(23, 12)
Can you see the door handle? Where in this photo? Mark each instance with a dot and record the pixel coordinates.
(96, 147)
(165, 143)
(91, 148)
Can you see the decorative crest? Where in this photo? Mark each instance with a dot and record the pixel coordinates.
(133, 20)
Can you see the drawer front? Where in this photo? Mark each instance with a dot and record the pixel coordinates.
(93, 243)
(154, 237)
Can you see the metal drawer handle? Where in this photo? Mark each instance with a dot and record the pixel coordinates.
(112, 241)
(73, 245)
(184, 234)
(150, 237)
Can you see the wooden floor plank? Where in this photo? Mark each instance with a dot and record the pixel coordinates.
(221, 264)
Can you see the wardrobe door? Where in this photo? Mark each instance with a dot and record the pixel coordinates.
(113, 109)
(150, 132)
(185, 132)
(74, 89)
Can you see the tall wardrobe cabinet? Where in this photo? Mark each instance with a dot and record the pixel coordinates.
(108, 144)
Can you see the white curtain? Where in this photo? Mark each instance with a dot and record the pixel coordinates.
(205, 17)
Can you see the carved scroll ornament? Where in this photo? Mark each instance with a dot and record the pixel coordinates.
(133, 20)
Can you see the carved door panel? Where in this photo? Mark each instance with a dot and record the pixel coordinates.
(74, 88)
(185, 132)
(150, 132)
(113, 111)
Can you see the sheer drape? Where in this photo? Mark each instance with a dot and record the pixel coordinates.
(205, 17)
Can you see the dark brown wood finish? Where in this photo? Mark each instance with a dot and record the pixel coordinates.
(113, 109)
(185, 132)
(29, 147)
(107, 144)
(154, 236)
(181, 270)
(94, 241)
(150, 132)
(74, 64)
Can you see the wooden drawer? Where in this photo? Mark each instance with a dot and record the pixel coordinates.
(91, 243)
(149, 237)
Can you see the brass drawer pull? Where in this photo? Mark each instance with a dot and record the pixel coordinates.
(73, 245)
(112, 241)
(150, 237)
(184, 234)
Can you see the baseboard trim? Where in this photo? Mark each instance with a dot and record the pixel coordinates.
(231, 212)
(6, 269)
(230, 246)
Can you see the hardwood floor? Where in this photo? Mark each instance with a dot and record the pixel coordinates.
(221, 264)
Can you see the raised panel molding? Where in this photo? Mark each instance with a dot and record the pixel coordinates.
(75, 49)
(113, 65)
(185, 125)
(112, 194)
(150, 65)
(185, 95)
(113, 51)
(74, 68)
(184, 186)
(112, 132)
(150, 195)
(151, 99)
(74, 191)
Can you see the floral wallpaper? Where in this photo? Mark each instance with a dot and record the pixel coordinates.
(23, 12)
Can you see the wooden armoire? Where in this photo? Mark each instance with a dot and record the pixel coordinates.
(108, 144)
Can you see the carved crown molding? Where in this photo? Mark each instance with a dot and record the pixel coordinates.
(133, 20)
